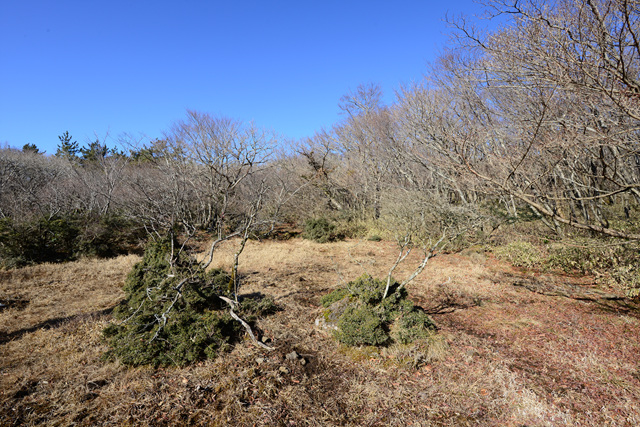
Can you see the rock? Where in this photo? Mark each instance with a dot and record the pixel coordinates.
(292, 356)
(260, 360)
(331, 315)
(284, 369)
(303, 361)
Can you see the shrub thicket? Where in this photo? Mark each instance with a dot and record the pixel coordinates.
(39, 240)
(161, 323)
(320, 230)
(520, 253)
(369, 318)
(613, 264)
(108, 236)
(65, 238)
(616, 263)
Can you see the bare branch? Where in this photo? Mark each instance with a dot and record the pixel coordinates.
(232, 304)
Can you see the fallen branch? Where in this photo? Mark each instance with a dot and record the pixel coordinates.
(427, 255)
(245, 324)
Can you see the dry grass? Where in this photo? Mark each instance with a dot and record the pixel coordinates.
(504, 355)
(50, 293)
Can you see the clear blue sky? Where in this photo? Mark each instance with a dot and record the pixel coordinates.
(95, 66)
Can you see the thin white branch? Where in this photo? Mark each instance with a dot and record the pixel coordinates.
(245, 324)
(428, 254)
(406, 244)
(163, 318)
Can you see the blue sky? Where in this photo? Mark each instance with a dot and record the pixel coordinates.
(97, 67)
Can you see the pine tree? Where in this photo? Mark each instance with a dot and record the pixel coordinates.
(67, 149)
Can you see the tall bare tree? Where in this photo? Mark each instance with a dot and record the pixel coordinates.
(546, 109)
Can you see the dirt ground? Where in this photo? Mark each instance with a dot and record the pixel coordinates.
(515, 348)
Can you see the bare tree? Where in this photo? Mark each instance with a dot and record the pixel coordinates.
(324, 170)
(363, 140)
(201, 178)
(221, 153)
(33, 185)
(352, 162)
(545, 110)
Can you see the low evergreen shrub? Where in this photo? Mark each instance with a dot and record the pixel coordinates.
(368, 318)
(40, 240)
(361, 326)
(320, 230)
(413, 326)
(333, 296)
(108, 236)
(65, 238)
(161, 324)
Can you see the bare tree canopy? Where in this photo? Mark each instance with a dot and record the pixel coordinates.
(544, 110)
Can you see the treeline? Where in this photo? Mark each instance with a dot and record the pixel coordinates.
(56, 208)
(539, 119)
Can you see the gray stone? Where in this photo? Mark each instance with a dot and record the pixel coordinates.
(330, 316)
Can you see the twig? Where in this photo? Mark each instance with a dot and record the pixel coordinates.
(213, 247)
(134, 313)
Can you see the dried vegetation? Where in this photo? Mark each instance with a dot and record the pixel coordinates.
(504, 355)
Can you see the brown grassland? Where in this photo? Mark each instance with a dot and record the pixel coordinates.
(515, 347)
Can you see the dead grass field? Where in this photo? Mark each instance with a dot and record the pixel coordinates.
(509, 356)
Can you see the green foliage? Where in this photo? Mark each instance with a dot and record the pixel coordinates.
(320, 230)
(614, 265)
(395, 304)
(161, 323)
(349, 226)
(67, 149)
(334, 296)
(108, 236)
(39, 240)
(368, 317)
(93, 152)
(618, 263)
(361, 326)
(31, 148)
(370, 291)
(367, 289)
(64, 238)
(253, 308)
(629, 277)
(585, 258)
(520, 253)
(187, 338)
(413, 326)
